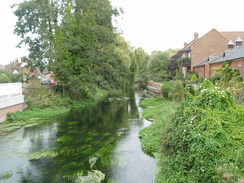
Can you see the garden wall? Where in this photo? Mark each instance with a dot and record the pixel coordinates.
(154, 88)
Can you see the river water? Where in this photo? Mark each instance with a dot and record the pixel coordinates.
(100, 143)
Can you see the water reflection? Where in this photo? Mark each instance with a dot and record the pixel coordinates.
(60, 150)
(133, 165)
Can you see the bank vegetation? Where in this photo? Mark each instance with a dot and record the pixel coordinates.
(197, 130)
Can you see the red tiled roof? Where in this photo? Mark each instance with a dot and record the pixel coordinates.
(188, 46)
(12, 68)
(233, 35)
(229, 35)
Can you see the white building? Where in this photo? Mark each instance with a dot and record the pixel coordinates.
(11, 99)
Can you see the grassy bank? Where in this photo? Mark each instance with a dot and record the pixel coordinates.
(45, 106)
(160, 112)
(202, 142)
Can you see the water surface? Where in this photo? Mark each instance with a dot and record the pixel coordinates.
(100, 141)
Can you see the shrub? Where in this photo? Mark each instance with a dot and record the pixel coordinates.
(227, 76)
(190, 89)
(173, 90)
(190, 74)
(193, 77)
(205, 134)
(4, 78)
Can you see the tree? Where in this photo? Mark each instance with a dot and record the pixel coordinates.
(88, 51)
(78, 41)
(37, 21)
(158, 65)
(139, 61)
(74, 52)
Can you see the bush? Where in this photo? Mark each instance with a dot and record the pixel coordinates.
(39, 96)
(190, 74)
(227, 77)
(4, 78)
(205, 135)
(173, 90)
(16, 77)
(193, 77)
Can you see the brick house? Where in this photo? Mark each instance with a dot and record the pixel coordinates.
(201, 48)
(235, 57)
(234, 54)
(202, 68)
(17, 67)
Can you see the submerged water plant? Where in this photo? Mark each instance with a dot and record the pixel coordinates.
(94, 176)
(5, 176)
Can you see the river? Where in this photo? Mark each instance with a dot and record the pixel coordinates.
(100, 143)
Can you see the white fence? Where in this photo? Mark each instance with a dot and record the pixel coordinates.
(10, 94)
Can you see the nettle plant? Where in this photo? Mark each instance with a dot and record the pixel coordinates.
(198, 140)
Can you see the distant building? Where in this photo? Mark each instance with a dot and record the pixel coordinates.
(205, 48)
(17, 67)
(234, 54)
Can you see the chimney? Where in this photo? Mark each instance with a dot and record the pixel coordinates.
(230, 45)
(238, 42)
(16, 62)
(196, 36)
(185, 43)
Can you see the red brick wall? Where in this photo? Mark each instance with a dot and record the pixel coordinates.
(200, 71)
(5, 111)
(212, 66)
(207, 70)
(239, 64)
(157, 86)
(213, 42)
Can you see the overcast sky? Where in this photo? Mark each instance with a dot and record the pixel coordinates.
(150, 24)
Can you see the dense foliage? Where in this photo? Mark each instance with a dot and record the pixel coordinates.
(77, 40)
(228, 77)
(6, 77)
(158, 65)
(173, 90)
(204, 143)
(154, 67)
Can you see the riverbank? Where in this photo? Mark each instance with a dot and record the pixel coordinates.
(159, 111)
(203, 142)
(37, 114)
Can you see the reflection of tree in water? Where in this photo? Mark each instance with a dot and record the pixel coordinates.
(79, 136)
(43, 138)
